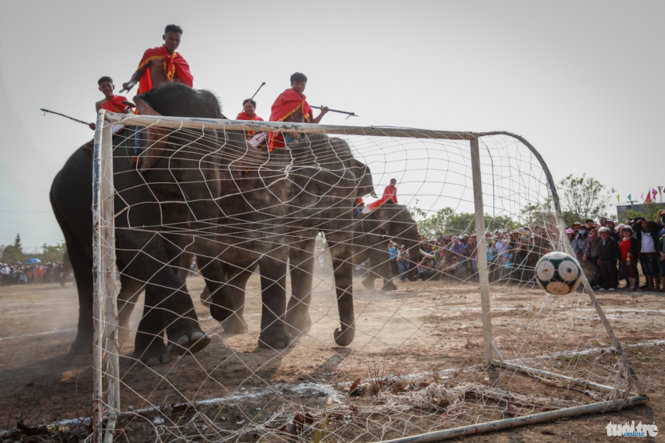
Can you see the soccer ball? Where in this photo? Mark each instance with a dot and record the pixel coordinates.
(558, 273)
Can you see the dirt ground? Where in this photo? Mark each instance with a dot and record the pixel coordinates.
(423, 328)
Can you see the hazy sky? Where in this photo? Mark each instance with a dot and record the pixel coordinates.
(583, 81)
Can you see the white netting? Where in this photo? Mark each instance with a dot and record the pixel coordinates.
(413, 362)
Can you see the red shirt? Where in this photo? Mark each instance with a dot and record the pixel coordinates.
(287, 103)
(115, 104)
(624, 246)
(244, 116)
(174, 66)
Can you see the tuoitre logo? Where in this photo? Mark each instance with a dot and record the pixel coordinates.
(630, 430)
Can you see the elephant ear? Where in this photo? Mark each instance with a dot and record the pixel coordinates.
(364, 176)
(156, 138)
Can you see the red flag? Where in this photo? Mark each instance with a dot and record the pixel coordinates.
(648, 199)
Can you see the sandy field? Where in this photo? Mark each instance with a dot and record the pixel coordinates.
(408, 341)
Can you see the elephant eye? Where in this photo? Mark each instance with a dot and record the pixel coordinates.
(568, 271)
(545, 270)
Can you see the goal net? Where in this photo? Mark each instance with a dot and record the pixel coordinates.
(259, 301)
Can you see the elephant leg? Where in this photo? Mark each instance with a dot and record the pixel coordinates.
(340, 250)
(130, 291)
(168, 307)
(206, 297)
(234, 306)
(227, 299)
(149, 344)
(274, 334)
(301, 260)
(368, 282)
(388, 285)
(381, 261)
(82, 267)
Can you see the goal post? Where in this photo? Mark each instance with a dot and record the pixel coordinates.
(527, 337)
(106, 393)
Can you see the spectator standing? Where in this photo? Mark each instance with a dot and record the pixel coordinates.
(607, 251)
(647, 234)
(661, 243)
(5, 272)
(402, 259)
(630, 251)
(581, 245)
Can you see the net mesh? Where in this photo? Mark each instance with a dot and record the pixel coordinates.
(275, 307)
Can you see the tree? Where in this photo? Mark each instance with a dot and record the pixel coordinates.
(13, 253)
(448, 222)
(583, 198)
(53, 253)
(647, 210)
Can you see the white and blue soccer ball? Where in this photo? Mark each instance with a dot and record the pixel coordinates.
(558, 273)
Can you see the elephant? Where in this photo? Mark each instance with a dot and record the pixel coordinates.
(271, 204)
(373, 231)
(321, 180)
(140, 256)
(246, 207)
(147, 258)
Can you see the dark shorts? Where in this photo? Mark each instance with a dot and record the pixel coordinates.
(649, 264)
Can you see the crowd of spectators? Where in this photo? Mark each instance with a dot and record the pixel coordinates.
(19, 273)
(608, 253)
(511, 256)
(614, 252)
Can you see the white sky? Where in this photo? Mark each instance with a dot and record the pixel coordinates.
(583, 81)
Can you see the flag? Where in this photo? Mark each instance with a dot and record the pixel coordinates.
(630, 197)
(653, 194)
(648, 199)
(618, 198)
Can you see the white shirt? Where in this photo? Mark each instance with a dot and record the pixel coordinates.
(647, 243)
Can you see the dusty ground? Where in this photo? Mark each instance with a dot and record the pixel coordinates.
(423, 328)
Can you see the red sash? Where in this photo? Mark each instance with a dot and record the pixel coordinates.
(390, 193)
(174, 67)
(285, 105)
(115, 104)
(243, 116)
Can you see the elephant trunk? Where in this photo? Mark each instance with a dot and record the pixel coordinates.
(344, 336)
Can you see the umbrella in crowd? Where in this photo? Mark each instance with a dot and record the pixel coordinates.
(32, 260)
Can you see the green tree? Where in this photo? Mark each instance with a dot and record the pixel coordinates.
(433, 224)
(53, 253)
(448, 222)
(583, 197)
(13, 253)
(648, 211)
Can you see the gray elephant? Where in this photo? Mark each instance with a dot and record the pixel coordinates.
(372, 233)
(266, 202)
(148, 258)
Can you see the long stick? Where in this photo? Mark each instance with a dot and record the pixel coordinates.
(350, 114)
(257, 91)
(66, 116)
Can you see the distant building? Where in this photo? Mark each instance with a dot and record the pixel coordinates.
(640, 208)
